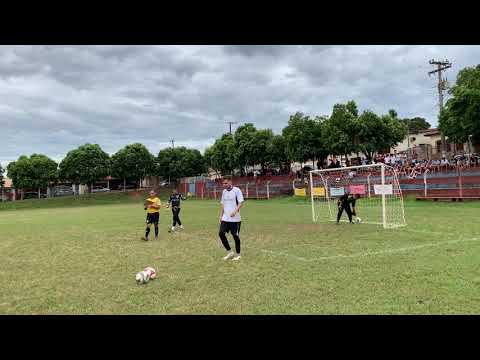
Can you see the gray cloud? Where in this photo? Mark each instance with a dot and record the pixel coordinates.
(55, 98)
(256, 50)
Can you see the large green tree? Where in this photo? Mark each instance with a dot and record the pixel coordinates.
(34, 172)
(246, 146)
(2, 182)
(318, 144)
(294, 135)
(208, 158)
(304, 138)
(277, 152)
(460, 119)
(376, 133)
(45, 171)
(263, 141)
(416, 124)
(133, 162)
(341, 129)
(175, 163)
(221, 155)
(20, 172)
(85, 165)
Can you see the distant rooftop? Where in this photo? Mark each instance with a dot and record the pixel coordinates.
(430, 132)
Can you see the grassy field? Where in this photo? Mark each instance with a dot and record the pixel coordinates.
(65, 256)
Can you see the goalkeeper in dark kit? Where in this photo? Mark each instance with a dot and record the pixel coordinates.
(344, 202)
(174, 202)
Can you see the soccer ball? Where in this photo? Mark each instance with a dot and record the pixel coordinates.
(146, 275)
(142, 277)
(358, 220)
(151, 272)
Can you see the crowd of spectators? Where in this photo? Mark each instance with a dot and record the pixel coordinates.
(412, 167)
(405, 166)
(415, 167)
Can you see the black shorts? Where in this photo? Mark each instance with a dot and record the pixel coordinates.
(153, 218)
(230, 227)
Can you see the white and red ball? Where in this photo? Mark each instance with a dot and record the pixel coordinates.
(151, 272)
(143, 277)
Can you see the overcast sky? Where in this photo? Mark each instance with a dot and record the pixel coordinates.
(55, 98)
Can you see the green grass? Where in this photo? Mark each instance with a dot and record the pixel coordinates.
(81, 259)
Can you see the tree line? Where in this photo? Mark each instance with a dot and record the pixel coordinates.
(305, 138)
(89, 163)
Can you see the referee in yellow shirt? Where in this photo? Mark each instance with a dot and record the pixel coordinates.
(152, 205)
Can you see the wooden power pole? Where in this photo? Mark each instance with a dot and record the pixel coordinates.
(230, 123)
(441, 66)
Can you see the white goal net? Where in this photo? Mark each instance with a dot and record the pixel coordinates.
(376, 190)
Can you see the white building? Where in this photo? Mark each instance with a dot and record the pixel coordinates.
(428, 144)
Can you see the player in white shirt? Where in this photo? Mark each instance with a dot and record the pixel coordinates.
(230, 220)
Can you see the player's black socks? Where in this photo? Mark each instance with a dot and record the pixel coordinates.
(156, 230)
(147, 232)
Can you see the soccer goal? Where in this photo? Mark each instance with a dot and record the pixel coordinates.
(379, 199)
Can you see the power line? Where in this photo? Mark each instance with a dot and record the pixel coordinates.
(441, 86)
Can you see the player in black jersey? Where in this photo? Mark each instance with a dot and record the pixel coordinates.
(344, 203)
(174, 201)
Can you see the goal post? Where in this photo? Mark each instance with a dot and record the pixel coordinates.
(377, 189)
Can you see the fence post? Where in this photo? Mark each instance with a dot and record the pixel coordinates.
(246, 189)
(460, 181)
(268, 189)
(368, 183)
(384, 208)
(425, 181)
(311, 196)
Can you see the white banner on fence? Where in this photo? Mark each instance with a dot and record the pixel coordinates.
(383, 189)
(337, 191)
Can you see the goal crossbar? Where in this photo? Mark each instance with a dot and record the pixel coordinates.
(348, 168)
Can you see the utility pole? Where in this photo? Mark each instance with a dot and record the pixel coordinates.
(173, 147)
(441, 66)
(230, 123)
